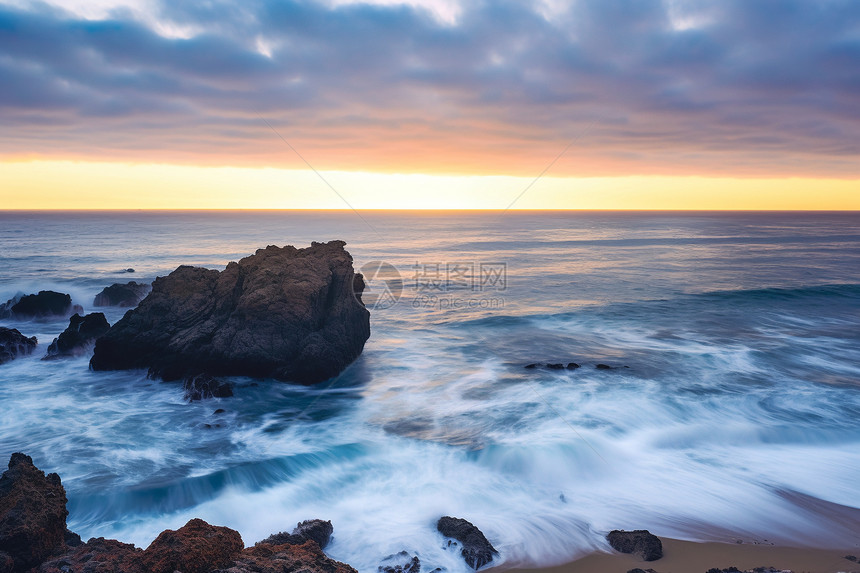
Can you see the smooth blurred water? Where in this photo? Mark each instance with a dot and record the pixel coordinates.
(738, 417)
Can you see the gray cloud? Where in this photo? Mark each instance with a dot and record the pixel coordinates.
(722, 87)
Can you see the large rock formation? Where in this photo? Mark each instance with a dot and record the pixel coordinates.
(117, 294)
(14, 344)
(45, 304)
(32, 514)
(477, 551)
(283, 313)
(196, 547)
(79, 336)
(640, 542)
(98, 555)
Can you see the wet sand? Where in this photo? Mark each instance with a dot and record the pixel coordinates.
(691, 557)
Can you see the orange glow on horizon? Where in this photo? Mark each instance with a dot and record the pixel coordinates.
(99, 185)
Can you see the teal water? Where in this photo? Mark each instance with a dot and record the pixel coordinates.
(737, 417)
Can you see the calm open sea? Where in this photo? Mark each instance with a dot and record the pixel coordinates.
(738, 417)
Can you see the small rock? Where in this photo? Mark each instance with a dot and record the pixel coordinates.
(303, 558)
(400, 563)
(14, 344)
(477, 551)
(640, 542)
(204, 386)
(603, 367)
(532, 365)
(555, 366)
(851, 558)
(572, 365)
(219, 411)
(79, 337)
(129, 270)
(316, 530)
(638, 570)
(123, 295)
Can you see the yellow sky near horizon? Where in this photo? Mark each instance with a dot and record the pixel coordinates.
(45, 184)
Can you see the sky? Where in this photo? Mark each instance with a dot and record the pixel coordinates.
(578, 104)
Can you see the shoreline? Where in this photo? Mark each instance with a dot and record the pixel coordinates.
(698, 557)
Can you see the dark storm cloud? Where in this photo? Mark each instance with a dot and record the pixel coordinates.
(723, 87)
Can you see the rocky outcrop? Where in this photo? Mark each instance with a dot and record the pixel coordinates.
(316, 530)
(79, 337)
(124, 295)
(640, 542)
(32, 513)
(282, 313)
(45, 304)
(14, 344)
(98, 555)
(203, 386)
(306, 558)
(476, 550)
(196, 547)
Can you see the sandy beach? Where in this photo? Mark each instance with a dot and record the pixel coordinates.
(690, 557)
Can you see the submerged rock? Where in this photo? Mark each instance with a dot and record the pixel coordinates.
(316, 530)
(477, 551)
(45, 304)
(203, 386)
(196, 547)
(283, 313)
(401, 562)
(14, 344)
(304, 558)
(123, 295)
(32, 513)
(640, 542)
(79, 336)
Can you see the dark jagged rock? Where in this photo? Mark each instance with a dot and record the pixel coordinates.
(203, 386)
(123, 295)
(14, 344)
(45, 304)
(314, 529)
(79, 336)
(304, 558)
(283, 313)
(572, 365)
(401, 562)
(532, 365)
(196, 547)
(603, 367)
(851, 558)
(753, 570)
(638, 570)
(477, 551)
(640, 542)
(32, 513)
(555, 366)
(98, 555)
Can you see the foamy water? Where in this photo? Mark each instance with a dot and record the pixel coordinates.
(738, 415)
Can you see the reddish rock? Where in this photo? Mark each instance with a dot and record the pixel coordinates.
(98, 555)
(265, 558)
(196, 547)
(32, 513)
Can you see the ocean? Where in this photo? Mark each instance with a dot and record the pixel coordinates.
(731, 411)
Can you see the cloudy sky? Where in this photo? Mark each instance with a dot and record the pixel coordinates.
(669, 103)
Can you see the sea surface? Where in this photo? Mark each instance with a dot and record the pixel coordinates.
(732, 411)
